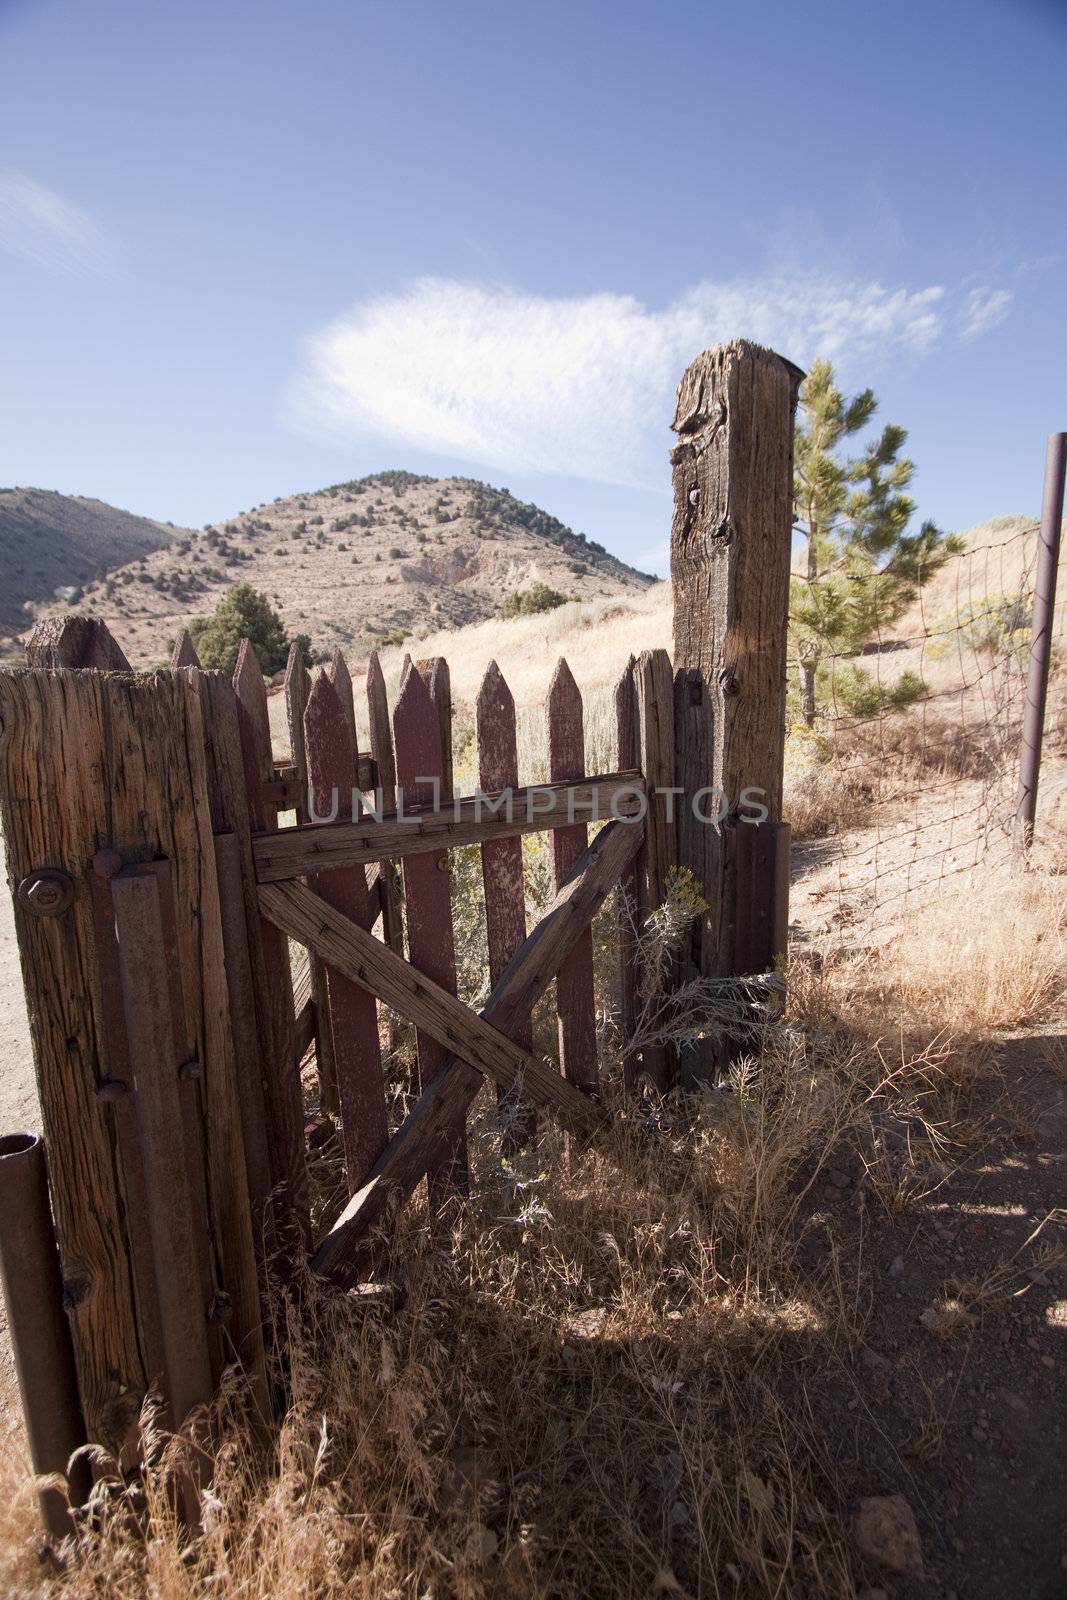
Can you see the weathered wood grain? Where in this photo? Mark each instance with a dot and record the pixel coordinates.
(172, 1202)
(731, 538)
(331, 765)
(438, 680)
(434, 1010)
(505, 899)
(297, 689)
(293, 852)
(427, 893)
(274, 994)
(381, 744)
(341, 679)
(74, 641)
(625, 704)
(575, 1001)
(430, 1126)
(654, 697)
(95, 761)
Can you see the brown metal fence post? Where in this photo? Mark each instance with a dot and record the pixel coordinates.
(731, 540)
(40, 1337)
(1048, 556)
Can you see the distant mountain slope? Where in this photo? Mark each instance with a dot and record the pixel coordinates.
(50, 541)
(360, 564)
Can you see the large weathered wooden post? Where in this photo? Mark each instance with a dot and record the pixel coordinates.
(731, 537)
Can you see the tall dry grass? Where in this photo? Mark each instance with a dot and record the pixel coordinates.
(592, 1399)
(601, 1378)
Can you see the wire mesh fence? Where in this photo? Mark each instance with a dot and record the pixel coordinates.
(907, 776)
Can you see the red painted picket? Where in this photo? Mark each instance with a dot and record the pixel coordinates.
(331, 766)
(427, 892)
(575, 1002)
(505, 901)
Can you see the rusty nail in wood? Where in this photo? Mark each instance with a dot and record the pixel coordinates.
(190, 1069)
(221, 1308)
(442, 861)
(107, 864)
(46, 893)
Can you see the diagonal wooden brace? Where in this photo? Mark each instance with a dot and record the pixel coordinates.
(430, 1126)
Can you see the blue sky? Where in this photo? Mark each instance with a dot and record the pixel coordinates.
(248, 247)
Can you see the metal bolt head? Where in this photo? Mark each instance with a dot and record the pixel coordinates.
(47, 893)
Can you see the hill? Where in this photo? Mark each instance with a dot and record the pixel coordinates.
(52, 541)
(360, 564)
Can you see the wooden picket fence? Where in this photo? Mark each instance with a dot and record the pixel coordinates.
(164, 818)
(157, 894)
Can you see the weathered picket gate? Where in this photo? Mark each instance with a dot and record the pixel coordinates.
(156, 895)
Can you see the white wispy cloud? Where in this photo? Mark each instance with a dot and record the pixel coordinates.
(984, 308)
(579, 386)
(42, 226)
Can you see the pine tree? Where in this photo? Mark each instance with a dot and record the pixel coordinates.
(862, 569)
(244, 613)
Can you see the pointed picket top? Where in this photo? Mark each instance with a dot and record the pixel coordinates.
(416, 739)
(253, 718)
(414, 698)
(341, 679)
(566, 739)
(331, 760)
(381, 734)
(297, 689)
(625, 700)
(296, 671)
(494, 694)
(104, 652)
(494, 719)
(250, 686)
(439, 682)
(184, 652)
(563, 690)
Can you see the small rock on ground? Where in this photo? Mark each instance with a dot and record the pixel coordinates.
(885, 1531)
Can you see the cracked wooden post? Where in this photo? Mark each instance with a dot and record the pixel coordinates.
(731, 537)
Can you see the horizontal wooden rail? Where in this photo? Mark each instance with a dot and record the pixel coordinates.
(286, 853)
(302, 914)
(288, 787)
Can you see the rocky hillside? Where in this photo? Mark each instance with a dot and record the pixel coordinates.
(57, 542)
(359, 565)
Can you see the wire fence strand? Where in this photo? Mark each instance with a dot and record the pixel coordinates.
(889, 801)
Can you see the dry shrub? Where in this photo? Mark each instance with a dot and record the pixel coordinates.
(614, 1367)
(821, 797)
(833, 778)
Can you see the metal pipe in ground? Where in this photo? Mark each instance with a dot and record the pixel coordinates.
(1048, 556)
(40, 1336)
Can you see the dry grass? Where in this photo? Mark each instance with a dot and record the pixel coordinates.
(597, 1382)
(985, 956)
(596, 637)
(609, 1346)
